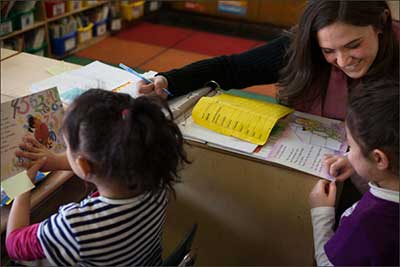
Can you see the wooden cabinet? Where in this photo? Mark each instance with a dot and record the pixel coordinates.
(283, 13)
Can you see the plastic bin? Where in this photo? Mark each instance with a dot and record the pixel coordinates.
(133, 10)
(64, 44)
(86, 3)
(152, 6)
(24, 19)
(73, 5)
(115, 24)
(100, 28)
(41, 51)
(85, 33)
(55, 8)
(6, 26)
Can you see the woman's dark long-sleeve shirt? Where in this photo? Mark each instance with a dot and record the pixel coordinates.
(260, 65)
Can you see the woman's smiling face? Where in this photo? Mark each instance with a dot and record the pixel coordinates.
(350, 48)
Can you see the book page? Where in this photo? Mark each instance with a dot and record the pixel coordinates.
(305, 141)
(243, 118)
(40, 115)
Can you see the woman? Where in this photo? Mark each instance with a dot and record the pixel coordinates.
(335, 45)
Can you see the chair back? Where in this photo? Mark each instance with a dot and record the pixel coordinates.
(183, 255)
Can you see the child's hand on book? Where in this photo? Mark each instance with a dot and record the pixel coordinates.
(32, 171)
(34, 151)
(338, 166)
(323, 194)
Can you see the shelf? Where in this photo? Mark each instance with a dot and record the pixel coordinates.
(83, 45)
(18, 32)
(76, 11)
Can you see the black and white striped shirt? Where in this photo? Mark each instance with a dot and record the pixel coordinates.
(106, 232)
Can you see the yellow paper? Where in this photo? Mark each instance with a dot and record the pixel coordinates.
(16, 185)
(246, 119)
(60, 68)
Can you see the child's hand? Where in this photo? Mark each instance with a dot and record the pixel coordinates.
(34, 151)
(338, 166)
(32, 171)
(323, 194)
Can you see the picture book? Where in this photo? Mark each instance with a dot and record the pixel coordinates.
(39, 115)
(305, 140)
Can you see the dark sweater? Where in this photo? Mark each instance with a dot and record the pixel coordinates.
(260, 65)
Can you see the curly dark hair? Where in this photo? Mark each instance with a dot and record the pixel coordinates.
(373, 118)
(127, 139)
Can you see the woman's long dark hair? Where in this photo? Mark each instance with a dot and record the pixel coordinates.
(306, 75)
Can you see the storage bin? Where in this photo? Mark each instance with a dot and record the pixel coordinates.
(86, 3)
(55, 8)
(64, 44)
(85, 33)
(24, 19)
(115, 24)
(73, 5)
(6, 26)
(133, 10)
(100, 28)
(151, 6)
(41, 51)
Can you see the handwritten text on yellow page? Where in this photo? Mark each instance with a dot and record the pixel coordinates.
(246, 119)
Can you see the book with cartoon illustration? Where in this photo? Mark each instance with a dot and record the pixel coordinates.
(40, 115)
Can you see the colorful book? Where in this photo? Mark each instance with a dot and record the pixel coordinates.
(39, 115)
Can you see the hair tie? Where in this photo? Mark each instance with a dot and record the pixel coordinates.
(124, 113)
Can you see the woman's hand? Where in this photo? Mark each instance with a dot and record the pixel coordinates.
(338, 167)
(157, 86)
(323, 194)
(34, 151)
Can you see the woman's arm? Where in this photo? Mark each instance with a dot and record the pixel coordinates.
(260, 65)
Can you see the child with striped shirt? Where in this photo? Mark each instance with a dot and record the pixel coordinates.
(131, 152)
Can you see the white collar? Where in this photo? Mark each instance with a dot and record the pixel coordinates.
(386, 194)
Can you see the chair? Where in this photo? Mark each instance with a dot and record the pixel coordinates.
(183, 255)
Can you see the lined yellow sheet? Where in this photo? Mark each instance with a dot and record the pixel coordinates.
(243, 118)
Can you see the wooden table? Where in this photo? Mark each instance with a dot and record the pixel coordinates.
(7, 53)
(249, 212)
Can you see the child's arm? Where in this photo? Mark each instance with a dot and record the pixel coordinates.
(338, 166)
(34, 151)
(322, 201)
(20, 210)
(23, 245)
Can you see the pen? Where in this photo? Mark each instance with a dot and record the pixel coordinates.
(147, 81)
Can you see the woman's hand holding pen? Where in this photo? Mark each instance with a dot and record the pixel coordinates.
(35, 151)
(338, 166)
(157, 86)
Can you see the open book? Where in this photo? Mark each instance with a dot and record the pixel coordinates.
(39, 115)
(298, 141)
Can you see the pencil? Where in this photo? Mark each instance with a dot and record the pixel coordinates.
(147, 81)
